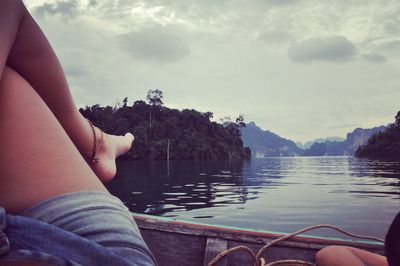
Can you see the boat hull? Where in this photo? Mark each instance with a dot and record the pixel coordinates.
(187, 243)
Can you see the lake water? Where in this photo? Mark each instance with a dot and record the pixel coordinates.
(279, 194)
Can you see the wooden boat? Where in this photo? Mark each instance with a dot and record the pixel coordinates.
(175, 242)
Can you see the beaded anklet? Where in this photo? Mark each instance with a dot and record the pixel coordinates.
(93, 160)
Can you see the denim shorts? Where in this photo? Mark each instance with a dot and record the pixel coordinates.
(79, 228)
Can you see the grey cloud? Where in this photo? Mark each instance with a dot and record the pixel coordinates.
(75, 71)
(333, 49)
(392, 27)
(374, 57)
(275, 37)
(217, 32)
(282, 2)
(157, 43)
(66, 8)
(391, 46)
(93, 3)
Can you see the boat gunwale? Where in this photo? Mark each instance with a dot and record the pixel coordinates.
(258, 236)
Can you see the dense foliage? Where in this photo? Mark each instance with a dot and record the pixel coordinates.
(383, 145)
(190, 134)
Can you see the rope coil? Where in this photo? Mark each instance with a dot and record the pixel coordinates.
(260, 261)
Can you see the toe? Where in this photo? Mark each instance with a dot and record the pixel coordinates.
(124, 144)
(129, 136)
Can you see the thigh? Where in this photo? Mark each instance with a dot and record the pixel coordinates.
(37, 158)
(11, 14)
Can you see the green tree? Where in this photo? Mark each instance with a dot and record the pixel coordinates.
(240, 121)
(397, 121)
(383, 145)
(154, 97)
(191, 133)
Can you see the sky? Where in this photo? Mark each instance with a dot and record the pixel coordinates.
(303, 69)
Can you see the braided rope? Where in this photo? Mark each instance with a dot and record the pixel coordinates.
(260, 261)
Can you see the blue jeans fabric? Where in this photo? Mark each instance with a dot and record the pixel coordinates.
(80, 228)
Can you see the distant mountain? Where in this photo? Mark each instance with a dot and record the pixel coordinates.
(383, 145)
(317, 149)
(308, 144)
(353, 140)
(264, 143)
(359, 137)
(328, 148)
(299, 144)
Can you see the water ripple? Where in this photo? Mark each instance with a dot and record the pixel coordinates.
(271, 193)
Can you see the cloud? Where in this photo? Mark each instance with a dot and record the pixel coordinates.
(275, 37)
(156, 43)
(109, 47)
(332, 49)
(66, 8)
(374, 57)
(282, 2)
(92, 2)
(391, 45)
(75, 70)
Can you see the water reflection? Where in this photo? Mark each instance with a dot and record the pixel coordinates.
(154, 187)
(375, 178)
(272, 193)
(147, 187)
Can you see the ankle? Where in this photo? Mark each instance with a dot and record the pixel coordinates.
(97, 141)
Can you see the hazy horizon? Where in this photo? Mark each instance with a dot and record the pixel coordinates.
(301, 69)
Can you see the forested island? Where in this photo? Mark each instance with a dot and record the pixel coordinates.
(383, 145)
(164, 133)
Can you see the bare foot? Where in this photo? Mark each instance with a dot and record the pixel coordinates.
(108, 149)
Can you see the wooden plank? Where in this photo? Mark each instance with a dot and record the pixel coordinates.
(184, 249)
(184, 243)
(173, 249)
(244, 235)
(215, 246)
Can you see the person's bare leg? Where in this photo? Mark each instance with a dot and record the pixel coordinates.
(25, 48)
(348, 256)
(11, 14)
(37, 158)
